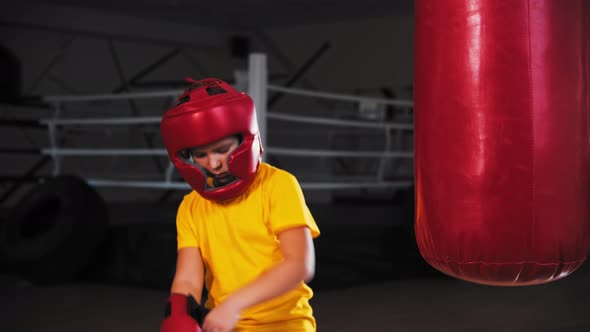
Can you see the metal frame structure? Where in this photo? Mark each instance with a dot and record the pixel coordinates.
(258, 88)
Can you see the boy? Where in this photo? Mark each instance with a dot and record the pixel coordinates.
(244, 231)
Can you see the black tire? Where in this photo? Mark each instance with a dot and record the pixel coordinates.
(51, 234)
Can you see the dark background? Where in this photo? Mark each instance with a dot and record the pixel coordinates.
(113, 272)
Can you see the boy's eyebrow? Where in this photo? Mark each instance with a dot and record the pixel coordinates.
(215, 147)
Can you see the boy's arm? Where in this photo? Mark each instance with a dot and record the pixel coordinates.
(188, 279)
(298, 265)
(183, 313)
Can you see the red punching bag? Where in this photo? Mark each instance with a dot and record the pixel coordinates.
(502, 146)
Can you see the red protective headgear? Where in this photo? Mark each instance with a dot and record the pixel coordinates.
(208, 111)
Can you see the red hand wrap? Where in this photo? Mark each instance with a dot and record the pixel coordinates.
(178, 315)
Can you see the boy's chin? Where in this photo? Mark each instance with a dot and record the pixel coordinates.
(224, 181)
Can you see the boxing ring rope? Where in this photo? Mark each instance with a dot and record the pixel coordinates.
(338, 96)
(57, 152)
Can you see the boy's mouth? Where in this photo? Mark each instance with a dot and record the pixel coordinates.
(223, 178)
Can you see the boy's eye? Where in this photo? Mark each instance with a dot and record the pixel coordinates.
(184, 154)
(222, 150)
(198, 154)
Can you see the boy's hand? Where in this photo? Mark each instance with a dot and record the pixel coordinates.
(222, 318)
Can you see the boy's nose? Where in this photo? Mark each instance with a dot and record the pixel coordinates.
(214, 163)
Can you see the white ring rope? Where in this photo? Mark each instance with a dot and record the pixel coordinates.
(283, 117)
(338, 153)
(274, 151)
(337, 122)
(105, 152)
(338, 96)
(118, 96)
(304, 185)
(102, 121)
(175, 93)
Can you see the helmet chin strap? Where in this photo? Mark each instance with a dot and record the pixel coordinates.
(212, 183)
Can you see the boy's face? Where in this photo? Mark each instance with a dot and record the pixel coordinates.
(213, 158)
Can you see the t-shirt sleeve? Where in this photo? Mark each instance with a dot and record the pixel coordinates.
(287, 205)
(186, 235)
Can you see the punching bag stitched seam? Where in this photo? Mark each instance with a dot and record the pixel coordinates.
(531, 111)
(586, 78)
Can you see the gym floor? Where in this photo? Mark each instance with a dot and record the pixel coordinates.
(439, 304)
(351, 294)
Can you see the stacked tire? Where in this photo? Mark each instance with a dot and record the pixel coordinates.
(52, 234)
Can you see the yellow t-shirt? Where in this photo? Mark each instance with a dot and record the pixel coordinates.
(238, 241)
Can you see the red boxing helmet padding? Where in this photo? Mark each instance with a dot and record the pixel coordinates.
(208, 111)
